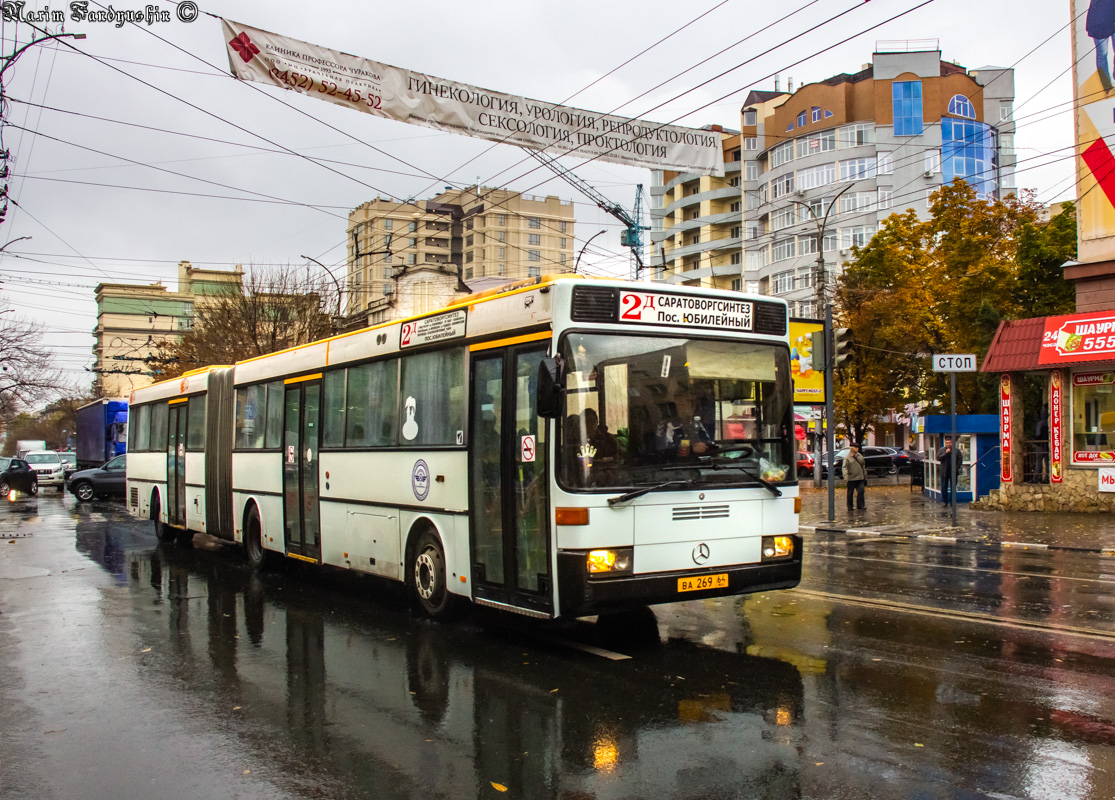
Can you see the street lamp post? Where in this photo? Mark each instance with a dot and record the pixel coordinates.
(577, 264)
(824, 299)
(336, 283)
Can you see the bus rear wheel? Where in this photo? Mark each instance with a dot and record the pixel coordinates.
(428, 578)
(253, 543)
(163, 532)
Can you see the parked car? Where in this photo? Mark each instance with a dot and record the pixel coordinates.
(49, 467)
(880, 461)
(15, 473)
(903, 459)
(108, 479)
(805, 464)
(69, 463)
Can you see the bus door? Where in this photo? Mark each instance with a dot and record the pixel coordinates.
(176, 463)
(301, 442)
(509, 502)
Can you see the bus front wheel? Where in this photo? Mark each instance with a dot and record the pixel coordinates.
(428, 578)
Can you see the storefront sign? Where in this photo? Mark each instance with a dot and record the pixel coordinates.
(447, 105)
(1078, 337)
(1093, 378)
(1056, 474)
(1107, 479)
(1004, 426)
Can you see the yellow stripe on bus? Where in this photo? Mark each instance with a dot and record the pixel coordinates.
(530, 337)
(302, 378)
(179, 400)
(302, 558)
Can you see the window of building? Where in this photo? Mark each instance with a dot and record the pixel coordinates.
(563, 257)
(782, 154)
(388, 224)
(933, 160)
(782, 282)
(733, 181)
(752, 231)
(737, 283)
(751, 171)
(815, 114)
(783, 218)
(468, 224)
(855, 135)
(757, 258)
(762, 193)
(807, 308)
(533, 272)
(817, 143)
(412, 259)
(534, 222)
(736, 232)
(884, 199)
(534, 255)
(734, 155)
(968, 151)
(884, 162)
(1007, 179)
(818, 206)
(750, 143)
(783, 248)
(855, 201)
(563, 226)
(857, 236)
(501, 268)
(468, 257)
(812, 177)
(906, 103)
(734, 207)
(1006, 110)
(780, 187)
(807, 245)
(854, 169)
(534, 239)
(563, 242)
(961, 106)
(750, 117)
(501, 236)
(737, 258)
(387, 273)
(790, 127)
(830, 241)
(468, 273)
(750, 200)
(1006, 143)
(468, 241)
(501, 252)
(801, 119)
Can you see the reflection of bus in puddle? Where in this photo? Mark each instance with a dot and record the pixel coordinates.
(332, 687)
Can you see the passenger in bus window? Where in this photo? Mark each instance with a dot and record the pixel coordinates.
(599, 436)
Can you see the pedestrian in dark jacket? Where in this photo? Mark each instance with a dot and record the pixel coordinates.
(855, 472)
(944, 459)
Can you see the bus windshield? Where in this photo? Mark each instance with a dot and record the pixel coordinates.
(644, 410)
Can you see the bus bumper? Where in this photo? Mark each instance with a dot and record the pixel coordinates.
(581, 595)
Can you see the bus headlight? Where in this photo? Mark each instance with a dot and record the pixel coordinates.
(776, 548)
(610, 561)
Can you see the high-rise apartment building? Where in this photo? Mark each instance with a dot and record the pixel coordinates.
(134, 320)
(465, 234)
(696, 223)
(883, 139)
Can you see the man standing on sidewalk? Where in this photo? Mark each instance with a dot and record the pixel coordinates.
(944, 460)
(855, 472)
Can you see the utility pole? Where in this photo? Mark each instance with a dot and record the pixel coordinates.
(823, 299)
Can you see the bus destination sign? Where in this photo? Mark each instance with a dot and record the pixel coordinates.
(433, 329)
(646, 308)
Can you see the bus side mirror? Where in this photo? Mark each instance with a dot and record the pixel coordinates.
(551, 387)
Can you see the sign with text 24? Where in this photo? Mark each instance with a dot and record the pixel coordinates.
(1078, 337)
(685, 311)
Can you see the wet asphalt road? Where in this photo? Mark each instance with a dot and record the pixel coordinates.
(899, 669)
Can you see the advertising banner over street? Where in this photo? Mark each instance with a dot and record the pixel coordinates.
(1078, 337)
(447, 105)
(1094, 92)
(809, 378)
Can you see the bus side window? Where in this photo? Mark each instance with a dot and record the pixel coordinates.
(274, 435)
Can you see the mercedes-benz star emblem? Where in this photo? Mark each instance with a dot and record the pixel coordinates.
(700, 553)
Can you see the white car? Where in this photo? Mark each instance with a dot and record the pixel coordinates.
(49, 467)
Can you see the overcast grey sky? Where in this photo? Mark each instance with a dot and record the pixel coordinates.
(91, 223)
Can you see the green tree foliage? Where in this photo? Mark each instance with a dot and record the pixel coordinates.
(942, 285)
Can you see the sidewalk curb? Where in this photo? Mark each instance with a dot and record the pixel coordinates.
(934, 536)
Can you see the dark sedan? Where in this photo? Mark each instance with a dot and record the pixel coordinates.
(15, 473)
(879, 461)
(903, 459)
(108, 479)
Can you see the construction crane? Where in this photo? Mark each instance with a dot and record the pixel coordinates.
(632, 236)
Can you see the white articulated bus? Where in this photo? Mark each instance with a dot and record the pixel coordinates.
(556, 447)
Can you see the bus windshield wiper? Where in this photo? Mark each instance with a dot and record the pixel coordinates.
(623, 498)
(770, 486)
